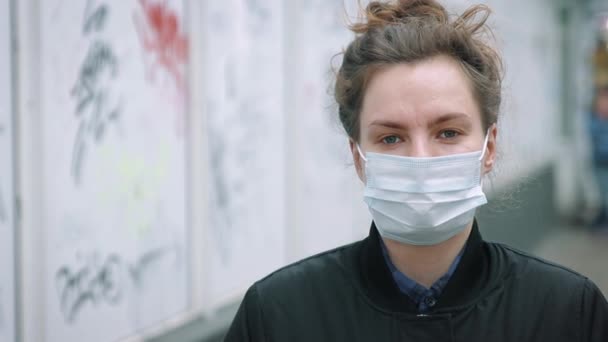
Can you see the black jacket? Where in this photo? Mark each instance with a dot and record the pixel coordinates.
(496, 294)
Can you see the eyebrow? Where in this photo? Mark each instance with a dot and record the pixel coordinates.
(441, 119)
(387, 123)
(449, 117)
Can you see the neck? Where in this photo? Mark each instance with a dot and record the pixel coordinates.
(426, 264)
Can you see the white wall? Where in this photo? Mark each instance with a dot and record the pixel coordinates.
(7, 219)
(105, 245)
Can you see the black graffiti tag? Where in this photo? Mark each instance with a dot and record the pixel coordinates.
(95, 108)
(90, 284)
(94, 283)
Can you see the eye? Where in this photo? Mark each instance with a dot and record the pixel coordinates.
(449, 134)
(391, 139)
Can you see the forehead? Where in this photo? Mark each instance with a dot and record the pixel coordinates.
(417, 92)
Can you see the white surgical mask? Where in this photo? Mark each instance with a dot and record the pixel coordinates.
(423, 201)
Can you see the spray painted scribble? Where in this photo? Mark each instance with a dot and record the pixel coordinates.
(134, 184)
(222, 197)
(165, 44)
(162, 37)
(95, 281)
(95, 108)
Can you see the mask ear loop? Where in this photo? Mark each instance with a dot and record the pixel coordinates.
(485, 145)
(483, 151)
(361, 153)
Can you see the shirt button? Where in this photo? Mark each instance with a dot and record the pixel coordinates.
(430, 301)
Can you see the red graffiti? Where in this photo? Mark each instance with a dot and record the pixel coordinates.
(161, 36)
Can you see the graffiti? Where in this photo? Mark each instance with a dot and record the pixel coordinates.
(95, 108)
(135, 185)
(228, 182)
(91, 283)
(162, 37)
(222, 198)
(95, 281)
(166, 46)
(143, 264)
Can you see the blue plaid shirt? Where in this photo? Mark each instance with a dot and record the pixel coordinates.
(423, 297)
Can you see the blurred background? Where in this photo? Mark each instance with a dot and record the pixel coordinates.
(159, 156)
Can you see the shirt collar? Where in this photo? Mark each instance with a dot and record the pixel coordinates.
(417, 292)
(471, 277)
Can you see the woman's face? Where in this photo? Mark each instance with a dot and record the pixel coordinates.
(425, 109)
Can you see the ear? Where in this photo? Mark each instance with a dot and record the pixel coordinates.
(357, 160)
(490, 156)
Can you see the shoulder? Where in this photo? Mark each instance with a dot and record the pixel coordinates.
(295, 292)
(545, 289)
(535, 272)
(317, 271)
(293, 302)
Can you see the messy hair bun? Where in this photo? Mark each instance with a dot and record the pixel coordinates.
(407, 31)
(379, 14)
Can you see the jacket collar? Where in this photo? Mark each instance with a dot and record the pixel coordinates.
(469, 281)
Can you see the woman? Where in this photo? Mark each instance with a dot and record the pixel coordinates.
(418, 95)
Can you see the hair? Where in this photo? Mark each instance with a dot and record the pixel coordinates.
(408, 31)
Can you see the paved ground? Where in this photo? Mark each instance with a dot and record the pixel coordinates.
(579, 249)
